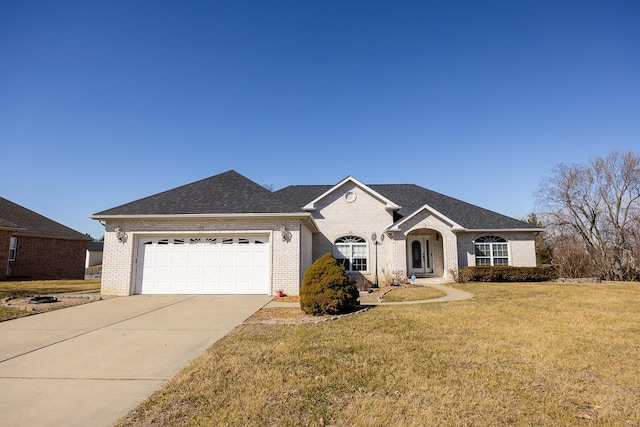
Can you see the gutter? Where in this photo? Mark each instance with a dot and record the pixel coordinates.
(295, 215)
(50, 236)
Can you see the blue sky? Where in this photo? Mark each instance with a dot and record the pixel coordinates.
(105, 102)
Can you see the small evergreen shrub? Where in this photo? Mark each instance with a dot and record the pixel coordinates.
(326, 288)
(506, 274)
(362, 283)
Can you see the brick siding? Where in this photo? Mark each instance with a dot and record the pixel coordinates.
(336, 217)
(48, 259)
(5, 241)
(522, 248)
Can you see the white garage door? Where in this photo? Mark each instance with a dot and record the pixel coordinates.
(203, 265)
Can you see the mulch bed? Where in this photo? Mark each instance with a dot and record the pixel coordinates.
(64, 301)
(295, 316)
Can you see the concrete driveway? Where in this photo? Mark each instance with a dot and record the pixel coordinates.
(91, 364)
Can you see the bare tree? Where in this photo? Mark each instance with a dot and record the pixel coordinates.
(597, 205)
(544, 246)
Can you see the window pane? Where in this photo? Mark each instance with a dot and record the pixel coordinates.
(342, 251)
(500, 261)
(500, 249)
(343, 262)
(359, 251)
(359, 264)
(483, 261)
(483, 249)
(13, 244)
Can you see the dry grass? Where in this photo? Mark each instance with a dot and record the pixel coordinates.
(413, 294)
(39, 287)
(516, 354)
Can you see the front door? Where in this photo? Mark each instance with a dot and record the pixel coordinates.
(419, 255)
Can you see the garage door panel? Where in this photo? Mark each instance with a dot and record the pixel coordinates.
(178, 271)
(193, 256)
(210, 256)
(203, 265)
(161, 256)
(177, 256)
(193, 271)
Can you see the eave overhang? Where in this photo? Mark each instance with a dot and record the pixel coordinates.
(51, 236)
(498, 230)
(293, 215)
(12, 228)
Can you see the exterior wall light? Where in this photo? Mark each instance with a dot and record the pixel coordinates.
(284, 233)
(120, 235)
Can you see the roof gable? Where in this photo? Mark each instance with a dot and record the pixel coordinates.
(426, 208)
(389, 205)
(30, 223)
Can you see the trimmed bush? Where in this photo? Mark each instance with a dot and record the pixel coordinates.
(326, 288)
(361, 282)
(506, 274)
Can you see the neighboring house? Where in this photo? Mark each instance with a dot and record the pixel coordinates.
(227, 234)
(35, 247)
(94, 254)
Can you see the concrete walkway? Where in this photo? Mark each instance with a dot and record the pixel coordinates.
(91, 364)
(453, 294)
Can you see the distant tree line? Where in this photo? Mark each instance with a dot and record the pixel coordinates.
(591, 214)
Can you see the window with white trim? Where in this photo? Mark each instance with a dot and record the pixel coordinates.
(351, 252)
(13, 246)
(491, 250)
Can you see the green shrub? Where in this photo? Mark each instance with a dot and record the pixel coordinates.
(506, 274)
(326, 288)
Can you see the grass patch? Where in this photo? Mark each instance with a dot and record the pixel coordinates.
(39, 287)
(525, 354)
(413, 294)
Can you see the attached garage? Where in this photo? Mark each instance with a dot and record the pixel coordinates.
(202, 265)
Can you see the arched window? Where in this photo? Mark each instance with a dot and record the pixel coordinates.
(491, 250)
(351, 252)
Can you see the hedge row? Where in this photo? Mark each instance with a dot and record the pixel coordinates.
(506, 274)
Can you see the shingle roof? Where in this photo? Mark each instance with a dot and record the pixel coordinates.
(225, 193)
(8, 224)
(35, 224)
(412, 197)
(230, 193)
(298, 196)
(95, 246)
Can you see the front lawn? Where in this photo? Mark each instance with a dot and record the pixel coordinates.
(413, 294)
(515, 354)
(39, 287)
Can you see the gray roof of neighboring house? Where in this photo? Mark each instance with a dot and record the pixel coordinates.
(95, 246)
(230, 192)
(8, 224)
(34, 224)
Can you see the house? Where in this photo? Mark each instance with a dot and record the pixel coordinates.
(94, 254)
(35, 247)
(227, 234)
